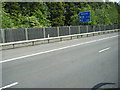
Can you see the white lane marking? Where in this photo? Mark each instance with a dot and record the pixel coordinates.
(56, 49)
(10, 85)
(104, 49)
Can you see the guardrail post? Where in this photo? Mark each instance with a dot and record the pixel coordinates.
(44, 32)
(48, 36)
(48, 40)
(58, 31)
(33, 43)
(60, 39)
(3, 35)
(26, 33)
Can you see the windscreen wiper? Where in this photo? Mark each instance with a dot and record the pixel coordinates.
(100, 85)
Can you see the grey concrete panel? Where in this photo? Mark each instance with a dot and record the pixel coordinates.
(12, 35)
(51, 32)
(63, 31)
(74, 29)
(35, 33)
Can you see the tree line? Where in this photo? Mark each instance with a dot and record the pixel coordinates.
(51, 14)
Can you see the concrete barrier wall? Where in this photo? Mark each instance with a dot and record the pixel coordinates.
(12, 35)
(63, 31)
(35, 33)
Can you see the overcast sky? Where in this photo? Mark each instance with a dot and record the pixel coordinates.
(115, 0)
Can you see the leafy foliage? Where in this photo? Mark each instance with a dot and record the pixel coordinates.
(56, 13)
(45, 14)
(7, 22)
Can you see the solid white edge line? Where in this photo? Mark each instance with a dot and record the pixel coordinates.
(10, 85)
(104, 49)
(39, 53)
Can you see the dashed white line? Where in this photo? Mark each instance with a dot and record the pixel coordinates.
(39, 53)
(104, 49)
(8, 86)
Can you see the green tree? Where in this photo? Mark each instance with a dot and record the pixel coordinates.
(56, 13)
(43, 15)
(71, 13)
(7, 22)
(23, 12)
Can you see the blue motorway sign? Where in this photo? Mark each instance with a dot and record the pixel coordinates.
(84, 16)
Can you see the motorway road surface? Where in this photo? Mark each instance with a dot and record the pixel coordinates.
(66, 64)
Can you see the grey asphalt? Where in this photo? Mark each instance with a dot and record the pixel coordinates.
(76, 67)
